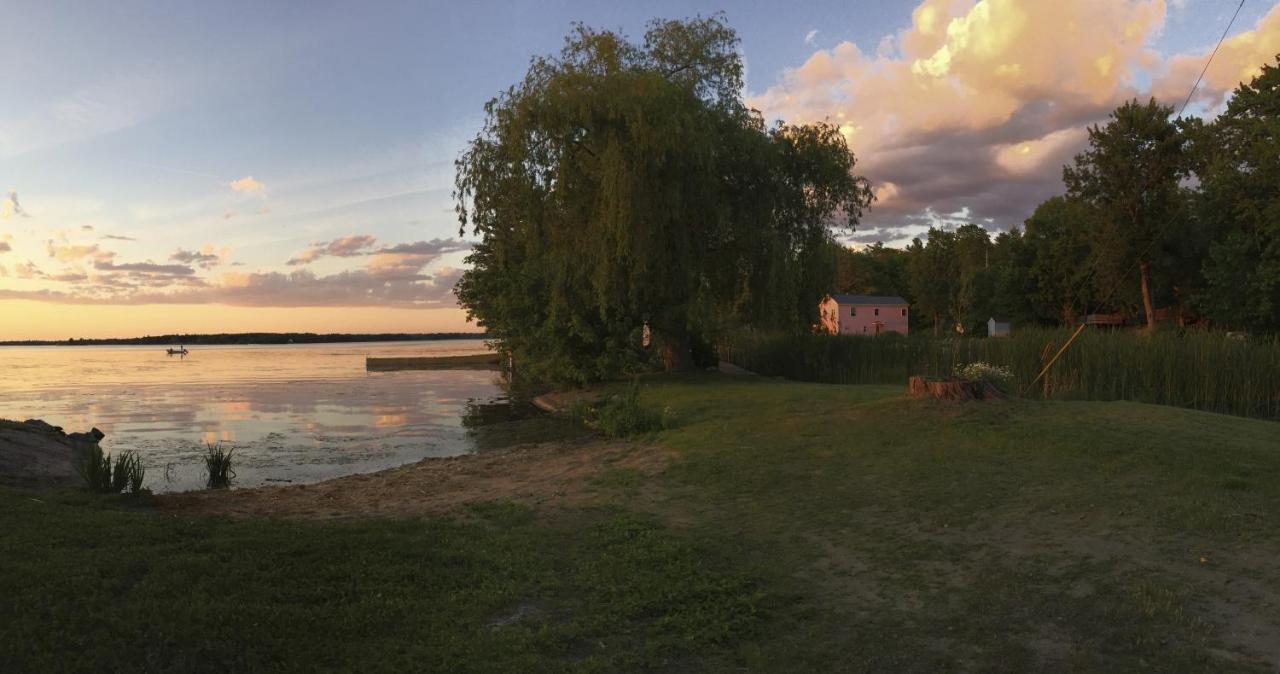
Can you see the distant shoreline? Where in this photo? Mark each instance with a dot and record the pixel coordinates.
(251, 338)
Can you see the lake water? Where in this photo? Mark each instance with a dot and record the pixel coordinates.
(292, 413)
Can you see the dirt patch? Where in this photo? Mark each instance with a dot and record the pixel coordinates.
(544, 474)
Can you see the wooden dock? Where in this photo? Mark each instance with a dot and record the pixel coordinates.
(479, 361)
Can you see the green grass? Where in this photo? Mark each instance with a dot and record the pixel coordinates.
(805, 527)
(1197, 369)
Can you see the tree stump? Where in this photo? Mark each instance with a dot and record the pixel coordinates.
(952, 389)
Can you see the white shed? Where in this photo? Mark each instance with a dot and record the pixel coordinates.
(998, 328)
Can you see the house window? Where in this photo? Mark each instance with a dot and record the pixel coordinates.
(877, 311)
(853, 311)
(904, 313)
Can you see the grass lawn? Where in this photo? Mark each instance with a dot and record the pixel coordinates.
(804, 527)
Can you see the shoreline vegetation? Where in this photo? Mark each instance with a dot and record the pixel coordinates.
(771, 525)
(252, 338)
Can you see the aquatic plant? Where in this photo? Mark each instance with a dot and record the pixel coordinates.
(218, 463)
(101, 474)
(95, 469)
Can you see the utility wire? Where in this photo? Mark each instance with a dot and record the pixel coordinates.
(1211, 55)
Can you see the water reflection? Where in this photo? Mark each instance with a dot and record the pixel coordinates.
(505, 421)
(292, 414)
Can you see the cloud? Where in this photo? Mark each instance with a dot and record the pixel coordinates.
(68, 252)
(5, 247)
(145, 268)
(978, 104)
(27, 270)
(248, 185)
(205, 258)
(11, 207)
(1239, 59)
(347, 246)
(116, 237)
(811, 36)
(300, 288)
(86, 228)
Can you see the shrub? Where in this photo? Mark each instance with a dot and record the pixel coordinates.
(218, 462)
(979, 371)
(621, 415)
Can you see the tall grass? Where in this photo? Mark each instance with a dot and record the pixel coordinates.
(1196, 369)
(101, 474)
(217, 462)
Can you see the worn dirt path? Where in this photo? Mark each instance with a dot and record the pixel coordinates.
(559, 473)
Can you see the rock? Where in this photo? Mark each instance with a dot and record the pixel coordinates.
(42, 425)
(35, 454)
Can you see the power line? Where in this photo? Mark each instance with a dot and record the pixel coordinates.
(1211, 55)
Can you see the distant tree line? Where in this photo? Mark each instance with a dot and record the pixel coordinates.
(252, 338)
(1161, 216)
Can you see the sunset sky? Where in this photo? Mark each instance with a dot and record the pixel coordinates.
(248, 166)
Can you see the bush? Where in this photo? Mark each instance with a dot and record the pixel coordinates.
(621, 415)
(217, 462)
(985, 372)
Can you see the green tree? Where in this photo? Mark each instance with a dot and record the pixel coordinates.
(1060, 234)
(933, 275)
(874, 270)
(1130, 173)
(622, 183)
(1238, 205)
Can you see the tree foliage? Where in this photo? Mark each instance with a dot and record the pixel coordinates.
(622, 183)
(1130, 174)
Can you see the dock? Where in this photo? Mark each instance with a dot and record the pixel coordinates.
(479, 361)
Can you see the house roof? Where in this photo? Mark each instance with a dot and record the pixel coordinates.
(868, 299)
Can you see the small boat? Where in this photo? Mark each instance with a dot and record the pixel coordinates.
(181, 351)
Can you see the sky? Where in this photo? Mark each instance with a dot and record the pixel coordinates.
(247, 166)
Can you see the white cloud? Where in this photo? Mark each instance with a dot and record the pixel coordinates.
(977, 104)
(811, 36)
(248, 185)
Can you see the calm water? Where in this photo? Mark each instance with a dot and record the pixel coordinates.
(293, 413)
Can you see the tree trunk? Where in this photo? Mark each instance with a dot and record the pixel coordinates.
(1068, 314)
(937, 320)
(677, 355)
(1146, 297)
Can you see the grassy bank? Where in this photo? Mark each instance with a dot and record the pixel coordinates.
(802, 528)
(1201, 370)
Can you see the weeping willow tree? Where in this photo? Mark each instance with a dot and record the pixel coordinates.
(620, 184)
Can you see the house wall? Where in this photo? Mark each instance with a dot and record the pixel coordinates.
(891, 319)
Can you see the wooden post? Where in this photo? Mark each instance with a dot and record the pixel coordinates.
(1055, 358)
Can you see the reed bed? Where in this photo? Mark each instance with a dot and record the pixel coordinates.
(1196, 369)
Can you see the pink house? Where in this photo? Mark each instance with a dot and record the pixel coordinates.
(863, 314)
